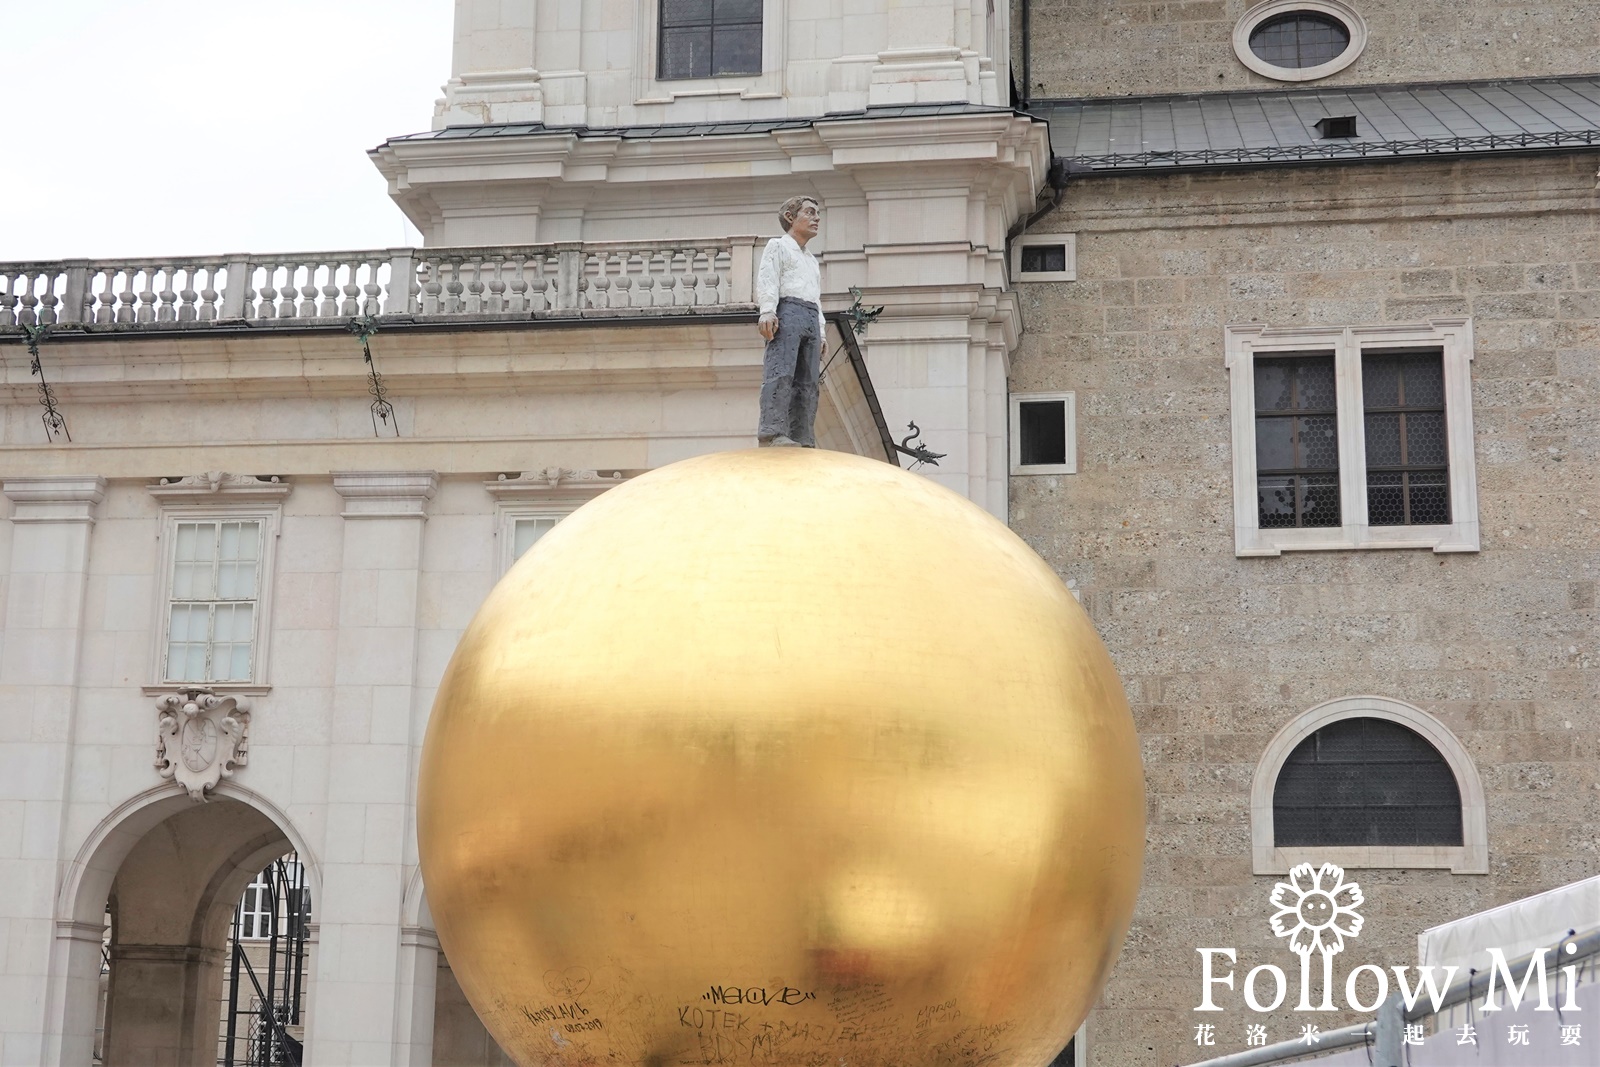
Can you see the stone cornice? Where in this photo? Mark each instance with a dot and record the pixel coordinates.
(214, 487)
(552, 482)
(385, 494)
(54, 499)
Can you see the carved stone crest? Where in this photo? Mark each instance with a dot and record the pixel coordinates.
(201, 738)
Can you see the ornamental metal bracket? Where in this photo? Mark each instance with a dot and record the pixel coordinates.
(382, 411)
(920, 453)
(860, 316)
(55, 423)
(201, 738)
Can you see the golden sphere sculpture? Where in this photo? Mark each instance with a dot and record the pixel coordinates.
(781, 756)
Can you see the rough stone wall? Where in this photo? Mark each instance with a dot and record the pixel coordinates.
(1137, 47)
(1217, 653)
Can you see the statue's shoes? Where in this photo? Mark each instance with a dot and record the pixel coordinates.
(784, 441)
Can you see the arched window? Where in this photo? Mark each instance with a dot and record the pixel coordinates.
(1367, 782)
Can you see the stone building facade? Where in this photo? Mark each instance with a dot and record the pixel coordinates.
(1218, 652)
(582, 312)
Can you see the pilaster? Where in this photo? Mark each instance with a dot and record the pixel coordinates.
(363, 974)
(43, 637)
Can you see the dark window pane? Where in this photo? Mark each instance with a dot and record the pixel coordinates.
(1425, 440)
(1275, 443)
(729, 12)
(1319, 500)
(1044, 431)
(1274, 387)
(686, 12)
(1366, 782)
(1319, 442)
(1038, 258)
(686, 53)
(736, 50)
(708, 38)
(1300, 39)
(1383, 439)
(1316, 383)
(1380, 381)
(1408, 449)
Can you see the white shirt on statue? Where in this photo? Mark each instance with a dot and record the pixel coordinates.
(789, 270)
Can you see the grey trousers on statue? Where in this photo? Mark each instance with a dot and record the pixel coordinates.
(790, 375)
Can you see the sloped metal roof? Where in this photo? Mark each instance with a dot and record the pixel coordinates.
(1278, 126)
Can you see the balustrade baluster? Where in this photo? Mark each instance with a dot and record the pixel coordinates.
(48, 300)
(291, 290)
(349, 307)
(308, 295)
(208, 296)
(147, 296)
(474, 301)
(517, 302)
(430, 286)
(106, 298)
(453, 289)
(622, 288)
(8, 301)
(495, 302)
(711, 291)
(268, 307)
(600, 284)
(186, 295)
(27, 316)
(371, 290)
(125, 295)
(167, 307)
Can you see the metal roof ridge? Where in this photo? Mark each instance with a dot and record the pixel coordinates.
(1299, 90)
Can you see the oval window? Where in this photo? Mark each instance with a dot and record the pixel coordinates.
(1299, 39)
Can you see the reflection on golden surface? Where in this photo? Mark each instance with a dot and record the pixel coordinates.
(781, 757)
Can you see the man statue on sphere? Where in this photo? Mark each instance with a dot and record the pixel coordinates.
(789, 290)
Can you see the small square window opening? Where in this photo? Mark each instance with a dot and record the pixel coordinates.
(1043, 432)
(1040, 258)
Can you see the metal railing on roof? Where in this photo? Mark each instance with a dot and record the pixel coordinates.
(1336, 151)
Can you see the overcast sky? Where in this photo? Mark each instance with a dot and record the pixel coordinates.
(152, 127)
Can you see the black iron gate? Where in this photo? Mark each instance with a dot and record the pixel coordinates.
(266, 971)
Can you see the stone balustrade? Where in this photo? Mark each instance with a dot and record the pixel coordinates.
(430, 283)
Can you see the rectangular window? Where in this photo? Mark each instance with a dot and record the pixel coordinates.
(1297, 442)
(1408, 459)
(211, 618)
(1352, 437)
(709, 38)
(1044, 433)
(1044, 257)
(524, 532)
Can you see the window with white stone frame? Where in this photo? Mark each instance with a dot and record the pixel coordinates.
(1044, 433)
(1352, 437)
(216, 579)
(522, 526)
(699, 49)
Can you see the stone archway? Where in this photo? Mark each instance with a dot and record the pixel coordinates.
(172, 872)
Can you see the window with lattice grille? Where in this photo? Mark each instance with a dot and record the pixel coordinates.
(1408, 458)
(709, 38)
(1352, 437)
(211, 616)
(1297, 441)
(1366, 781)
